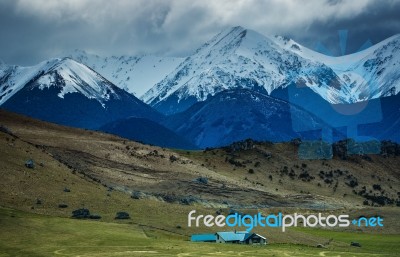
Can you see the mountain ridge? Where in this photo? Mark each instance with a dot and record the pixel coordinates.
(244, 58)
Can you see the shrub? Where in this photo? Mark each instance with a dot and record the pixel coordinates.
(202, 180)
(377, 187)
(122, 215)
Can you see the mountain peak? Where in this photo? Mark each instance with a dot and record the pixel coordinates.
(231, 30)
(67, 92)
(236, 30)
(230, 36)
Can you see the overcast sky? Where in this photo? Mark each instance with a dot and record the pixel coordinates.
(34, 30)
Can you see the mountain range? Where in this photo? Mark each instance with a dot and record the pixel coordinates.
(240, 84)
(242, 58)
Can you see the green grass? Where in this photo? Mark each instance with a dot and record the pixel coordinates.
(384, 244)
(24, 234)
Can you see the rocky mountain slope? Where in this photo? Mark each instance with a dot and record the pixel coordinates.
(238, 114)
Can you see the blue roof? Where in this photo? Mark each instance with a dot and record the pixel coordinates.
(203, 237)
(232, 236)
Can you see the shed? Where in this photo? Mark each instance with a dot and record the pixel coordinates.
(253, 238)
(203, 238)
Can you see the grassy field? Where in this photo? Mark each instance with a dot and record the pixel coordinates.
(26, 234)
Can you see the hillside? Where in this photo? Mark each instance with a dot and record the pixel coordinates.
(158, 187)
(272, 172)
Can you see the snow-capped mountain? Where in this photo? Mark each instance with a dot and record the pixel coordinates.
(14, 78)
(242, 58)
(67, 92)
(237, 58)
(135, 74)
(364, 75)
(238, 114)
(238, 85)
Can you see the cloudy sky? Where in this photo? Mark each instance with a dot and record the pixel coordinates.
(34, 30)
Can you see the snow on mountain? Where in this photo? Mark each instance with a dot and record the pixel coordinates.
(367, 74)
(76, 77)
(135, 74)
(242, 58)
(70, 93)
(14, 78)
(238, 58)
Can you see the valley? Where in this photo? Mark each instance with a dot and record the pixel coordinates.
(159, 187)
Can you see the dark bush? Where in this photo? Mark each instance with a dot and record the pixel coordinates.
(173, 158)
(94, 217)
(136, 195)
(234, 162)
(352, 183)
(122, 215)
(81, 213)
(30, 164)
(377, 187)
(202, 180)
(188, 200)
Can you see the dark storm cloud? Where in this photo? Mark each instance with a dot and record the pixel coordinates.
(32, 31)
(377, 22)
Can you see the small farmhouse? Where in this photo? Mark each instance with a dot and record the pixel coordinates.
(236, 237)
